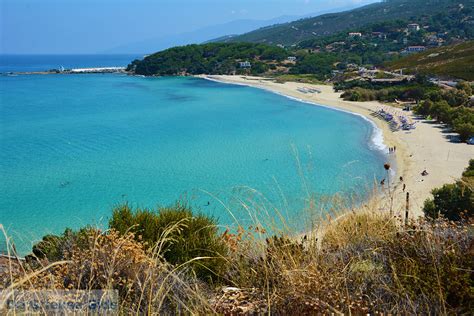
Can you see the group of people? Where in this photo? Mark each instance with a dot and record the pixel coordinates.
(392, 149)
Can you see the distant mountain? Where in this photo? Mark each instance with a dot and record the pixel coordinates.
(328, 24)
(204, 34)
(214, 33)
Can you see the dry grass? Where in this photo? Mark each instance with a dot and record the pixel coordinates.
(363, 262)
(366, 262)
(145, 282)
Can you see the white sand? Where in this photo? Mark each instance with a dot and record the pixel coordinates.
(426, 148)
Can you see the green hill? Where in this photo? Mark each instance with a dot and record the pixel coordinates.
(453, 14)
(212, 58)
(455, 61)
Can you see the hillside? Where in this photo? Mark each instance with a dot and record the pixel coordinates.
(213, 58)
(436, 11)
(157, 43)
(456, 61)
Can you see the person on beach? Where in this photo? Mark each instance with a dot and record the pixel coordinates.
(401, 179)
(382, 183)
(424, 173)
(404, 187)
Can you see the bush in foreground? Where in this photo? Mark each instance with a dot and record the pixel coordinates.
(178, 235)
(56, 247)
(366, 261)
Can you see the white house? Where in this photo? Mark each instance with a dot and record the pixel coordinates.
(292, 58)
(245, 64)
(355, 34)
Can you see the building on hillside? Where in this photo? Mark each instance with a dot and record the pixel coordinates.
(355, 34)
(416, 49)
(433, 40)
(413, 49)
(352, 67)
(292, 58)
(413, 27)
(245, 64)
(367, 73)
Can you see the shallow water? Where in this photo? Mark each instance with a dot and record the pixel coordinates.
(73, 146)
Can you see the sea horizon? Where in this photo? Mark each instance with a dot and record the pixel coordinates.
(45, 62)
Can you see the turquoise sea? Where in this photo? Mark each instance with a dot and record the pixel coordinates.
(73, 146)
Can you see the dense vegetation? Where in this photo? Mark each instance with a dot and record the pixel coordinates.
(452, 107)
(323, 46)
(177, 234)
(213, 58)
(451, 61)
(362, 90)
(439, 14)
(324, 58)
(453, 201)
(381, 45)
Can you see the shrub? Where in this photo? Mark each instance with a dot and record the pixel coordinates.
(177, 235)
(423, 108)
(441, 111)
(54, 247)
(464, 86)
(469, 172)
(464, 129)
(451, 201)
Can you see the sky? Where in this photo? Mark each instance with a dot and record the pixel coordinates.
(95, 26)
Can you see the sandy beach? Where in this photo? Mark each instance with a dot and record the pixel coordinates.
(428, 147)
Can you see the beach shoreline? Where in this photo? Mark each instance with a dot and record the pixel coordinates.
(428, 147)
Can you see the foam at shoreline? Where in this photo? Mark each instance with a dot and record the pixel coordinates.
(376, 139)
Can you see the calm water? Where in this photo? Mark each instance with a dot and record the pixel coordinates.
(25, 63)
(73, 146)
